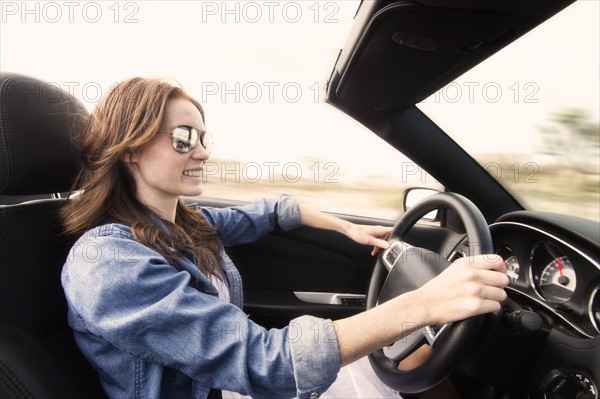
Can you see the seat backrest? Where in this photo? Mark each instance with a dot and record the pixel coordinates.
(38, 157)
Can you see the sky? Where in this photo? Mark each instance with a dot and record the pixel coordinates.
(260, 69)
(252, 74)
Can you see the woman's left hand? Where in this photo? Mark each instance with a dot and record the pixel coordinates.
(362, 234)
(370, 235)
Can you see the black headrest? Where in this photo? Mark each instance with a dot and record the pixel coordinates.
(38, 122)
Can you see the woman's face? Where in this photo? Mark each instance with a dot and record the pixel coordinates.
(163, 174)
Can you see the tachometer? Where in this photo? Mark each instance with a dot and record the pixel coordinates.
(511, 262)
(554, 275)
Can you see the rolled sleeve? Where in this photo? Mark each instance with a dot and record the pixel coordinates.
(288, 213)
(315, 354)
(247, 223)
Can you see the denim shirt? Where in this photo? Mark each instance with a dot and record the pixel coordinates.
(151, 334)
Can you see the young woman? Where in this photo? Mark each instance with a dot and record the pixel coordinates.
(154, 301)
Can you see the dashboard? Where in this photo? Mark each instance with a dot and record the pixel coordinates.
(554, 270)
(553, 263)
(551, 319)
(552, 274)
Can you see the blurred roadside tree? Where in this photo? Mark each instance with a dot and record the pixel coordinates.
(573, 138)
(571, 173)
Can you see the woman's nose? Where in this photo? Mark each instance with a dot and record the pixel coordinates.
(199, 152)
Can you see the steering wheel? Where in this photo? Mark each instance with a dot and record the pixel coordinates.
(403, 268)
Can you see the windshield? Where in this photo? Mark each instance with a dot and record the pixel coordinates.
(529, 114)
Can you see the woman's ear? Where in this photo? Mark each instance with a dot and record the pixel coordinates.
(130, 157)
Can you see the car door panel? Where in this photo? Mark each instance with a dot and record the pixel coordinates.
(304, 261)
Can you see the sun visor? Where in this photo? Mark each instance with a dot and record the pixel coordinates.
(407, 51)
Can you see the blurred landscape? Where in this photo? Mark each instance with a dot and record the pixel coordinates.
(565, 177)
(378, 196)
(545, 187)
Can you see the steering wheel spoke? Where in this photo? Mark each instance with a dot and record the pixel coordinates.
(402, 348)
(395, 252)
(407, 345)
(432, 333)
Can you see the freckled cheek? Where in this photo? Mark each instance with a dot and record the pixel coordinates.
(163, 164)
(162, 172)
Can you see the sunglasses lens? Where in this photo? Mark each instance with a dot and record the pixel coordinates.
(184, 139)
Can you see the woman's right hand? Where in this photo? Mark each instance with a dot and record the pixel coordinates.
(468, 287)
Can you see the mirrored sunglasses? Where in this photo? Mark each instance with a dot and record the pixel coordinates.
(185, 138)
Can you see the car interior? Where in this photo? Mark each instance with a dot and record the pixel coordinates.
(545, 343)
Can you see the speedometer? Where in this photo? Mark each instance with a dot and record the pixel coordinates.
(553, 273)
(557, 281)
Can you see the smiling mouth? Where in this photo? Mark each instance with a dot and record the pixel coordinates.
(193, 173)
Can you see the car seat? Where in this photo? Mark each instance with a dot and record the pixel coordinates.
(38, 159)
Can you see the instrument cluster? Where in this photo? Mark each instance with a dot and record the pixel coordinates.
(552, 272)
